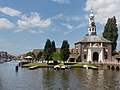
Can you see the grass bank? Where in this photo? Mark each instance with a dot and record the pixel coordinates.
(35, 64)
(61, 64)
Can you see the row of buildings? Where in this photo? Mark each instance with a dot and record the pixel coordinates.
(4, 56)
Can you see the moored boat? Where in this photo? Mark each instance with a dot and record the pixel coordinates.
(33, 67)
(63, 67)
(93, 67)
(68, 67)
(57, 67)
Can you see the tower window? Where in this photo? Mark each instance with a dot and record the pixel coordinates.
(93, 23)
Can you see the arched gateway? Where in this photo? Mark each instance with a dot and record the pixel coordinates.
(95, 57)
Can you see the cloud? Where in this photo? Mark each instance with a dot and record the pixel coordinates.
(68, 26)
(71, 23)
(72, 28)
(73, 18)
(18, 30)
(58, 16)
(9, 11)
(61, 1)
(32, 22)
(32, 31)
(35, 31)
(79, 26)
(6, 24)
(67, 17)
(104, 9)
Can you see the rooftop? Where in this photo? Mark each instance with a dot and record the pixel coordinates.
(94, 38)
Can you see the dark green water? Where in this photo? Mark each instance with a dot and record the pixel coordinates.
(50, 79)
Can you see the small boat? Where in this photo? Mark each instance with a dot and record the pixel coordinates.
(57, 67)
(63, 67)
(1, 61)
(33, 67)
(93, 67)
(85, 66)
(68, 67)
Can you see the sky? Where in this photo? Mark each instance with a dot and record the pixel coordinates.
(27, 24)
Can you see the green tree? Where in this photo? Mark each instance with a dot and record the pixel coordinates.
(53, 46)
(56, 56)
(47, 50)
(64, 51)
(111, 32)
(29, 54)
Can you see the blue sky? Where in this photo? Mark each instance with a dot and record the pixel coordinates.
(26, 24)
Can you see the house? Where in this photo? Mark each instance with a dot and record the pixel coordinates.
(3, 56)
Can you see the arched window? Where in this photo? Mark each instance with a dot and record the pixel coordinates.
(85, 56)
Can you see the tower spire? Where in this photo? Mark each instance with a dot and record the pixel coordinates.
(91, 26)
(91, 7)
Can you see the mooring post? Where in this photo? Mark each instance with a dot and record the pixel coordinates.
(20, 64)
(16, 67)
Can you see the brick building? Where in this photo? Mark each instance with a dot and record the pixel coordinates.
(92, 47)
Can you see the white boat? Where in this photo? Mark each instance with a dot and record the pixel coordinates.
(57, 67)
(63, 67)
(68, 67)
(85, 66)
(33, 67)
(93, 67)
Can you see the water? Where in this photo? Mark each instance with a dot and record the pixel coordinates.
(50, 79)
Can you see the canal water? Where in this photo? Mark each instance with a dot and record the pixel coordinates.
(50, 79)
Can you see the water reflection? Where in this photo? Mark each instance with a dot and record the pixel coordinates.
(80, 79)
(50, 79)
(57, 80)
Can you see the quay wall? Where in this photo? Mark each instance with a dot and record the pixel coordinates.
(110, 66)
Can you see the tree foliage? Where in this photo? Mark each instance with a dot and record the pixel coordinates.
(35, 56)
(53, 46)
(65, 50)
(47, 50)
(56, 56)
(29, 54)
(111, 32)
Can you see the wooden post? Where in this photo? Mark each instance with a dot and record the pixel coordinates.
(16, 68)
